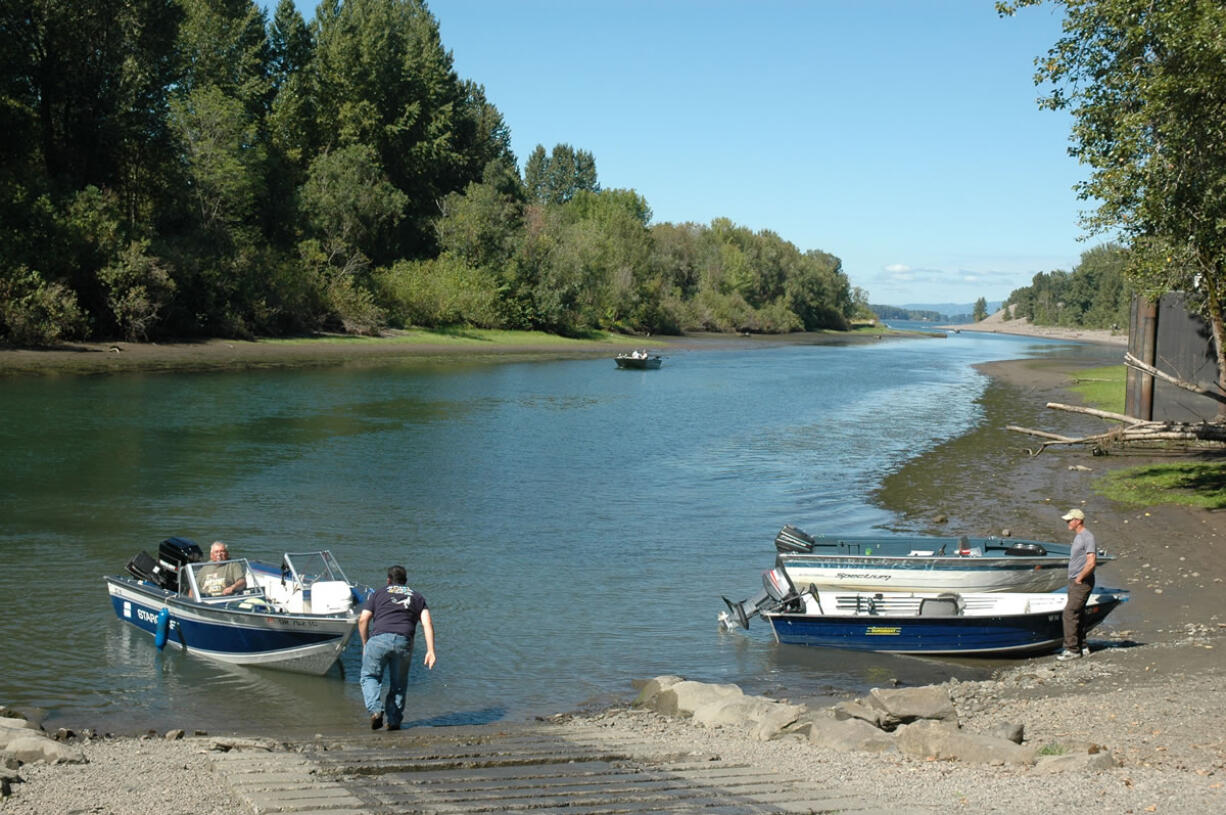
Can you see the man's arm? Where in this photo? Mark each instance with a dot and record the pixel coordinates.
(364, 626)
(1088, 569)
(427, 628)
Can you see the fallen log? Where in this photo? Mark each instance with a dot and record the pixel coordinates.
(1102, 414)
(1133, 362)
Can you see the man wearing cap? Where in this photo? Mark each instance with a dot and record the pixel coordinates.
(1081, 561)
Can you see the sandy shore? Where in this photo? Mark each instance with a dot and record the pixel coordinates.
(1153, 693)
(996, 324)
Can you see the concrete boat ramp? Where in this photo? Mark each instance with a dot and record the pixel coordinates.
(579, 767)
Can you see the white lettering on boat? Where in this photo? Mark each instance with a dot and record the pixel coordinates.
(863, 576)
(147, 616)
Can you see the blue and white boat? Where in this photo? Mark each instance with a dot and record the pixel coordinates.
(949, 623)
(298, 616)
(919, 563)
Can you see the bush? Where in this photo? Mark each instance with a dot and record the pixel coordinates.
(138, 289)
(34, 312)
(440, 292)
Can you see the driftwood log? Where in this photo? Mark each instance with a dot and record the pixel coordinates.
(1134, 432)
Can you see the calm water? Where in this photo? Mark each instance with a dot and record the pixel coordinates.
(572, 526)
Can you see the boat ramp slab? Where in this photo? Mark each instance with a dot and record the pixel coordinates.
(578, 768)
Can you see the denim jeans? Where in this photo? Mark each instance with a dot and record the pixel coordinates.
(391, 653)
(1074, 615)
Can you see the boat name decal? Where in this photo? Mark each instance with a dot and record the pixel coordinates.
(147, 616)
(883, 630)
(863, 576)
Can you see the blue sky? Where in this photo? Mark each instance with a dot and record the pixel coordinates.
(902, 136)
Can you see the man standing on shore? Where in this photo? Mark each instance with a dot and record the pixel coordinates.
(387, 625)
(1081, 562)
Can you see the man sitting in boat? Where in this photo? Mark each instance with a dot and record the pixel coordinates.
(221, 576)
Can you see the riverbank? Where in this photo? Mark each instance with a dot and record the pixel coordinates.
(1153, 693)
(997, 324)
(445, 346)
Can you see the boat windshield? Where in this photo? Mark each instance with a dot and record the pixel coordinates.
(312, 567)
(218, 579)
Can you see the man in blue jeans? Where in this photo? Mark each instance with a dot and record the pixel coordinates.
(387, 624)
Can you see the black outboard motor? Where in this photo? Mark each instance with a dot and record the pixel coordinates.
(777, 591)
(793, 540)
(173, 555)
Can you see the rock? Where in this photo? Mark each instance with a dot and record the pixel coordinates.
(857, 709)
(764, 719)
(10, 725)
(858, 735)
(1007, 730)
(37, 747)
(5, 789)
(903, 705)
(1076, 762)
(64, 734)
(940, 519)
(944, 741)
(683, 698)
(650, 690)
(174, 735)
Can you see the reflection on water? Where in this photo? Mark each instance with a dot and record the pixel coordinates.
(573, 527)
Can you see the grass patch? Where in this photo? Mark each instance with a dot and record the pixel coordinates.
(1188, 483)
(1052, 749)
(1103, 388)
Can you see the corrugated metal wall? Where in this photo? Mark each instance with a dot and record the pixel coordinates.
(1167, 337)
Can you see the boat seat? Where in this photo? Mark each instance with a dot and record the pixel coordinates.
(938, 607)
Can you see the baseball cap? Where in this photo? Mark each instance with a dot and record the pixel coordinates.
(1073, 514)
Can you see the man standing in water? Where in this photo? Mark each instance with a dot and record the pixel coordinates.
(387, 625)
(1081, 562)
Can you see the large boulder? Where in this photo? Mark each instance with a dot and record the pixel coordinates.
(833, 733)
(764, 719)
(685, 697)
(904, 705)
(29, 747)
(650, 689)
(929, 739)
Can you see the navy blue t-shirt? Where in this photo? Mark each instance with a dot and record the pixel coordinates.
(396, 610)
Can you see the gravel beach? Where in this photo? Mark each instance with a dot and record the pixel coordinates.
(1153, 693)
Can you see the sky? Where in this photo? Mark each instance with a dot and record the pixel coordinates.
(902, 136)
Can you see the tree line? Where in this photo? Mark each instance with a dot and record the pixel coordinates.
(176, 168)
(1095, 294)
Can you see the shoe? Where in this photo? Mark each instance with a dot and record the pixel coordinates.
(376, 721)
(393, 727)
(1063, 655)
(1085, 652)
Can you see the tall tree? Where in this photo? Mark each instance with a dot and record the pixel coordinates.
(1146, 84)
(981, 309)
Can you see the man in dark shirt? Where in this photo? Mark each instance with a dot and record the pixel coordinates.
(387, 624)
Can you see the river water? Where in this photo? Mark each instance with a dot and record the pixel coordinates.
(572, 526)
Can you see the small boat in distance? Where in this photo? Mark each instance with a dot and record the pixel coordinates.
(639, 360)
(922, 563)
(298, 616)
(950, 623)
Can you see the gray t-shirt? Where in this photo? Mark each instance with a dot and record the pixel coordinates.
(1083, 545)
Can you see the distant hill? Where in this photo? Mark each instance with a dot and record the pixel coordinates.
(933, 312)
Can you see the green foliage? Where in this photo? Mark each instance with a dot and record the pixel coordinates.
(190, 167)
(980, 310)
(1094, 295)
(1144, 82)
(443, 291)
(35, 312)
(139, 287)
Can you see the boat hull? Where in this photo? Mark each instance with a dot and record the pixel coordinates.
(978, 634)
(925, 573)
(300, 643)
(639, 363)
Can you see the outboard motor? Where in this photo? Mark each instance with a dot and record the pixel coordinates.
(777, 591)
(173, 555)
(791, 540)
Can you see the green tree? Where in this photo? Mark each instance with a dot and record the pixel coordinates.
(1147, 90)
(558, 177)
(981, 309)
